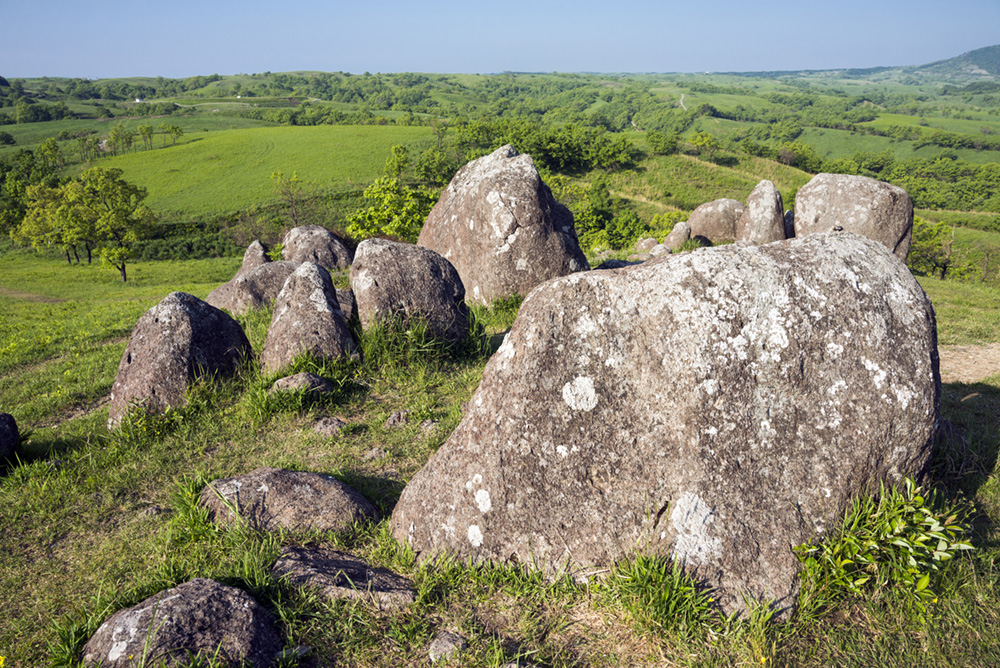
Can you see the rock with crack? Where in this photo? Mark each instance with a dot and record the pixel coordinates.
(498, 223)
(720, 406)
(269, 499)
(303, 382)
(177, 341)
(312, 243)
(307, 319)
(200, 619)
(393, 280)
(858, 204)
(338, 575)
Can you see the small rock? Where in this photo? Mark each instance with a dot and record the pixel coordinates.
(329, 426)
(445, 645)
(153, 510)
(338, 575)
(640, 257)
(680, 234)
(269, 499)
(303, 382)
(375, 453)
(659, 249)
(645, 245)
(397, 419)
(198, 618)
(429, 425)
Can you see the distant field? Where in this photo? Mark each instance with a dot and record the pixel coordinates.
(228, 171)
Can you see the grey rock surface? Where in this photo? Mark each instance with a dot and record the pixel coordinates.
(789, 224)
(446, 645)
(307, 319)
(303, 382)
(338, 575)
(763, 221)
(254, 256)
(398, 280)
(252, 289)
(498, 223)
(329, 426)
(722, 406)
(680, 234)
(269, 499)
(345, 298)
(858, 204)
(9, 435)
(716, 221)
(645, 245)
(315, 244)
(198, 618)
(178, 340)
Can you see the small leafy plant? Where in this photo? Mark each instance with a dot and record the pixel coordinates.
(903, 538)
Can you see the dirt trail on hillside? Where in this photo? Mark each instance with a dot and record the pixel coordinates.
(969, 364)
(29, 296)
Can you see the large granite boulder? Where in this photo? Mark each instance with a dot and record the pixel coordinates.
(763, 221)
(498, 223)
(722, 406)
(397, 280)
(9, 435)
(252, 289)
(200, 618)
(254, 256)
(858, 204)
(716, 221)
(178, 340)
(269, 499)
(307, 319)
(312, 243)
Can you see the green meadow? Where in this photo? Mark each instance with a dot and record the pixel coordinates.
(217, 173)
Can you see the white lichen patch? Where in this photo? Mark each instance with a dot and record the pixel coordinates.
(522, 264)
(475, 535)
(579, 394)
(691, 517)
(362, 281)
(475, 482)
(483, 501)
(320, 301)
(834, 350)
(879, 374)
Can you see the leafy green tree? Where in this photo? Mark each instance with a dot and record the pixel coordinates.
(7, 139)
(662, 144)
(394, 210)
(51, 153)
(624, 229)
(114, 207)
(434, 166)
(397, 162)
(46, 221)
(146, 132)
(932, 248)
(704, 143)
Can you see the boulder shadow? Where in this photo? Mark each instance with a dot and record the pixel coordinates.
(382, 492)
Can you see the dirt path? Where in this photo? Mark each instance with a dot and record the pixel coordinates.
(969, 364)
(682, 102)
(28, 296)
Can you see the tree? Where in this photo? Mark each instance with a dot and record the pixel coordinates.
(290, 192)
(662, 144)
(115, 208)
(434, 166)
(397, 162)
(704, 142)
(395, 210)
(51, 153)
(932, 248)
(146, 132)
(7, 139)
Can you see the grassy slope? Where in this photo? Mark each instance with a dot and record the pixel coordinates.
(230, 171)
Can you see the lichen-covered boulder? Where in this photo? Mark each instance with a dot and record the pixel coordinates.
(763, 221)
(198, 619)
(498, 223)
(178, 340)
(9, 435)
(269, 499)
(252, 289)
(312, 243)
(722, 406)
(858, 204)
(397, 280)
(307, 319)
(716, 221)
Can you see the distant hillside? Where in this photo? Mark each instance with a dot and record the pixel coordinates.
(982, 63)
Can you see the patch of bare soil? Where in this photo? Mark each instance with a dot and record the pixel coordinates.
(28, 296)
(969, 364)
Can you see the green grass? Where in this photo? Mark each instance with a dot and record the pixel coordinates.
(224, 172)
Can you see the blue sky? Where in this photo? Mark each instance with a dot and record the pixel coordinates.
(113, 38)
